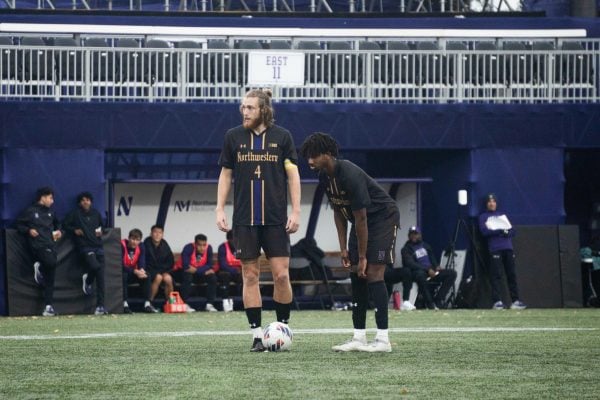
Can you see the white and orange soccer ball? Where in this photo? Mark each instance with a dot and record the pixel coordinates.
(277, 336)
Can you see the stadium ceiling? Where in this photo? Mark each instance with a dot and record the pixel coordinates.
(92, 29)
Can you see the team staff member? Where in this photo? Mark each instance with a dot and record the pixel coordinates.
(356, 198)
(39, 223)
(86, 225)
(497, 229)
(261, 158)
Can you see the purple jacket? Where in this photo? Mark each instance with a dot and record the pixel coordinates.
(498, 239)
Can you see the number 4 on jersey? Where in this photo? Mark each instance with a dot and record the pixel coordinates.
(257, 171)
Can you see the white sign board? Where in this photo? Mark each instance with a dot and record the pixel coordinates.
(275, 68)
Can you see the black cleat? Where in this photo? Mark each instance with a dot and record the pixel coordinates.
(257, 346)
(127, 310)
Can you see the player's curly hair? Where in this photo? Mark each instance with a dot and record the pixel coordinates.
(319, 143)
(265, 104)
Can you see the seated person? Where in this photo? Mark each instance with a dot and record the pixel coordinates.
(418, 256)
(39, 224)
(134, 263)
(394, 275)
(230, 269)
(86, 225)
(196, 264)
(159, 264)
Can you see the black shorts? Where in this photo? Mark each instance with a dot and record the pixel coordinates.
(381, 246)
(273, 239)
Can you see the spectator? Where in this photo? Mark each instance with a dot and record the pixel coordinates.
(230, 269)
(498, 231)
(196, 266)
(418, 256)
(159, 264)
(134, 268)
(86, 225)
(395, 275)
(42, 229)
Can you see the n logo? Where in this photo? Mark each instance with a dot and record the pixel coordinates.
(124, 206)
(181, 205)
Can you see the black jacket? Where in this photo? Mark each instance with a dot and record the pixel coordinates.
(158, 259)
(87, 222)
(43, 220)
(409, 258)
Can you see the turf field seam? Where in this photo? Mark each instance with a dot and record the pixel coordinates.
(296, 332)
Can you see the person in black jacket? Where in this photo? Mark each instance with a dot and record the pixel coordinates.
(86, 225)
(418, 256)
(159, 264)
(42, 228)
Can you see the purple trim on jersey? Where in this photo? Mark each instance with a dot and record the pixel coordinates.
(257, 193)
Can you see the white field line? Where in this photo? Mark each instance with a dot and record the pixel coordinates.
(109, 335)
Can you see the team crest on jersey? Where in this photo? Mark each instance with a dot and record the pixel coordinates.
(273, 145)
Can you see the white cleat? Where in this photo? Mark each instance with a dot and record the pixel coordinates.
(351, 345)
(376, 346)
(210, 308)
(407, 306)
(189, 309)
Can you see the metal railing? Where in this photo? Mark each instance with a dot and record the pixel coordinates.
(377, 76)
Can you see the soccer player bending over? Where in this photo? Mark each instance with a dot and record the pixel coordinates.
(356, 198)
(261, 158)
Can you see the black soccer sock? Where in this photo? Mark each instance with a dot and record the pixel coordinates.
(379, 297)
(360, 302)
(282, 311)
(254, 316)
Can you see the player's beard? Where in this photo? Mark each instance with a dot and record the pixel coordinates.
(252, 123)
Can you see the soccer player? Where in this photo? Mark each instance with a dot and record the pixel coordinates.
(261, 158)
(39, 223)
(356, 198)
(134, 268)
(86, 225)
(159, 263)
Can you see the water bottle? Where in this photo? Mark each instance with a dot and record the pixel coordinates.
(397, 300)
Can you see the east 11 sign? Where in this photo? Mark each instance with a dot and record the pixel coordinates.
(276, 68)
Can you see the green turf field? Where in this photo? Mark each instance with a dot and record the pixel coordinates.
(470, 354)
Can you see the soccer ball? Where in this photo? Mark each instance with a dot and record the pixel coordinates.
(277, 336)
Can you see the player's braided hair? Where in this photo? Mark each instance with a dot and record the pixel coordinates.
(264, 103)
(319, 143)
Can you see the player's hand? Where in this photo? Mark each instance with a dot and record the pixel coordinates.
(33, 233)
(191, 270)
(431, 272)
(210, 271)
(293, 223)
(346, 259)
(361, 270)
(78, 232)
(222, 221)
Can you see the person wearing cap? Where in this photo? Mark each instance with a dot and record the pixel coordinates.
(418, 256)
(498, 231)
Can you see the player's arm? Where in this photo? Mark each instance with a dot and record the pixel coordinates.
(341, 225)
(223, 188)
(293, 178)
(362, 237)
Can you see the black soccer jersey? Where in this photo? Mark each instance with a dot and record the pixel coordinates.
(260, 180)
(352, 189)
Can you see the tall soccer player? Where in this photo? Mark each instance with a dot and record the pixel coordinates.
(261, 158)
(356, 198)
